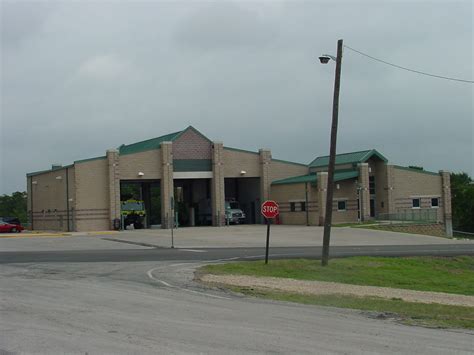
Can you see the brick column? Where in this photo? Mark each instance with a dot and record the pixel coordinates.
(446, 198)
(265, 161)
(322, 186)
(364, 194)
(389, 188)
(114, 185)
(166, 184)
(218, 189)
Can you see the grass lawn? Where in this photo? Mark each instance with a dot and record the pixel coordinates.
(355, 225)
(441, 274)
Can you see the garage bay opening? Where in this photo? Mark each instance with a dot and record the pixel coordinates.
(140, 203)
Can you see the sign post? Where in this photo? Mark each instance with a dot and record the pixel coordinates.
(270, 210)
(172, 221)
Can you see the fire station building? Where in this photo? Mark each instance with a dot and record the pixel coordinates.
(186, 177)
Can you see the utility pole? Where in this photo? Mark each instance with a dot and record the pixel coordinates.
(332, 157)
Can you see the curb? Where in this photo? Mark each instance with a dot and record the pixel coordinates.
(33, 235)
(102, 233)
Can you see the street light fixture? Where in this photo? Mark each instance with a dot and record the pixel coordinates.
(324, 59)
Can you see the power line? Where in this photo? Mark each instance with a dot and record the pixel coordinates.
(408, 69)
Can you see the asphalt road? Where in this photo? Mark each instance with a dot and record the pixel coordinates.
(165, 254)
(145, 301)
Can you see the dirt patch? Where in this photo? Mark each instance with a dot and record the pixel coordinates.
(327, 288)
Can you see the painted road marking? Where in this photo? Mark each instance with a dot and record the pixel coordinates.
(151, 276)
(194, 250)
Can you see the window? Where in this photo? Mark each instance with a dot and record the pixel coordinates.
(292, 207)
(415, 203)
(372, 185)
(341, 205)
(303, 206)
(434, 202)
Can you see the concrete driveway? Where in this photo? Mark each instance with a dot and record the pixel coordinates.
(281, 236)
(226, 237)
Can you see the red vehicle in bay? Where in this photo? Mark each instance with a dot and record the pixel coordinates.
(8, 227)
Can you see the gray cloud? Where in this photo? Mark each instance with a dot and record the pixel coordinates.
(21, 20)
(90, 76)
(225, 25)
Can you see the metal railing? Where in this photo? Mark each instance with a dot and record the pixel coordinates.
(461, 234)
(410, 216)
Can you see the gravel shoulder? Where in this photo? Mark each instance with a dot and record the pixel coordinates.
(326, 288)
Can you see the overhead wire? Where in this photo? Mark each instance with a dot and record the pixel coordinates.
(408, 69)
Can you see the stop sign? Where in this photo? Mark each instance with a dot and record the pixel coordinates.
(270, 209)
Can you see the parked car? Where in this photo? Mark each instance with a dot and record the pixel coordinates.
(11, 220)
(8, 227)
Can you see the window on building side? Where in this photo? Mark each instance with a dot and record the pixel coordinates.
(303, 206)
(292, 207)
(341, 205)
(372, 185)
(434, 202)
(416, 203)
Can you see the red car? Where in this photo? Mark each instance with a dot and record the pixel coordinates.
(7, 227)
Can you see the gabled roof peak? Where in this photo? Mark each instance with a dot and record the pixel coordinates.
(347, 158)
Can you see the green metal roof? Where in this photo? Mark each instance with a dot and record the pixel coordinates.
(149, 144)
(289, 162)
(49, 170)
(346, 175)
(89, 159)
(154, 143)
(312, 178)
(347, 158)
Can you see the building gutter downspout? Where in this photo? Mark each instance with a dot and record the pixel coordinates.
(306, 203)
(31, 201)
(67, 200)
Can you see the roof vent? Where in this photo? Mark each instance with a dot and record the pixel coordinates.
(56, 166)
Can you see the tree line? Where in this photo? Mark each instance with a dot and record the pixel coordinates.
(462, 193)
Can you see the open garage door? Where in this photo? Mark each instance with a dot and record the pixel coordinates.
(246, 191)
(193, 202)
(147, 194)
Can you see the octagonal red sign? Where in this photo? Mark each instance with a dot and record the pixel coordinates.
(270, 209)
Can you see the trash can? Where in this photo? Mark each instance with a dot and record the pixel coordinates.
(116, 224)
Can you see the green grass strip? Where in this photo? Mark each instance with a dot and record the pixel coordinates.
(429, 315)
(439, 274)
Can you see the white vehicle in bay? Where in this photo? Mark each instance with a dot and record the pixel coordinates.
(233, 213)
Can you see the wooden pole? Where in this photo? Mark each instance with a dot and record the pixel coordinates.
(332, 157)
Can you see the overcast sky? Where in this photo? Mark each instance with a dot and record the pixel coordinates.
(78, 78)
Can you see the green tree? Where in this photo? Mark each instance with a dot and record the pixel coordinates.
(14, 205)
(462, 193)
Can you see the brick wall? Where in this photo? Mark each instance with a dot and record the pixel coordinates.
(285, 194)
(412, 184)
(92, 196)
(347, 191)
(50, 199)
(435, 229)
(280, 170)
(236, 161)
(191, 145)
(148, 162)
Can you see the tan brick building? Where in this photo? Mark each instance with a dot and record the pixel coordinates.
(366, 187)
(200, 175)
